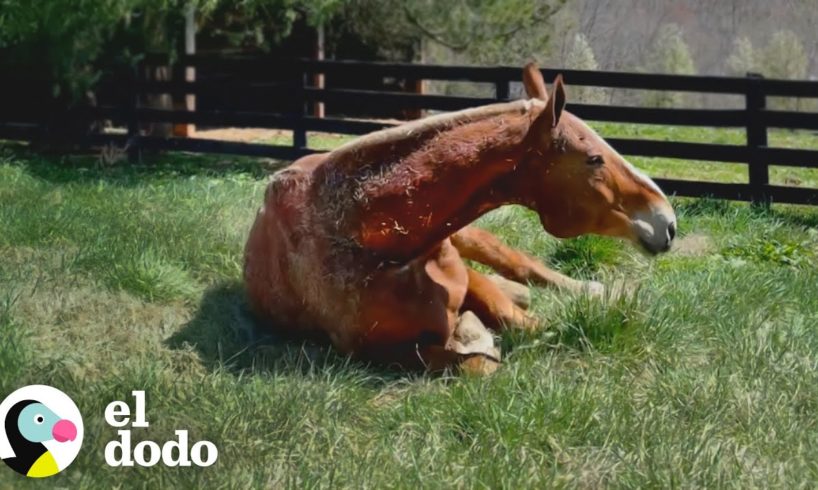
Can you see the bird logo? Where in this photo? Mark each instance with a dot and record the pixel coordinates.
(41, 431)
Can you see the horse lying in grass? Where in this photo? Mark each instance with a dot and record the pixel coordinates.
(366, 244)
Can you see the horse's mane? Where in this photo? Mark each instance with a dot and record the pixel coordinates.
(438, 122)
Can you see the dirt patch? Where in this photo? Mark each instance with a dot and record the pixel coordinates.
(693, 245)
(245, 135)
(257, 135)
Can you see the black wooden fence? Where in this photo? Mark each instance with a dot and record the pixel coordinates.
(295, 92)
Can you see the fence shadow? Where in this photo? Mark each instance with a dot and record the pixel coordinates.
(226, 337)
(93, 167)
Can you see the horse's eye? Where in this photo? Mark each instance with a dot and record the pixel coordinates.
(596, 160)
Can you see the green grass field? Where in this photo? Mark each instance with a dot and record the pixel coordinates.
(117, 278)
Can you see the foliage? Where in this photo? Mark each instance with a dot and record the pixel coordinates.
(785, 57)
(71, 42)
(260, 24)
(482, 31)
(580, 56)
(668, 54)
(743, 58)
(60, 39)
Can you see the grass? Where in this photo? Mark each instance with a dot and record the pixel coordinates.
(709, 171)
(705, 374)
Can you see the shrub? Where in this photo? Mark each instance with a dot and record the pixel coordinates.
(580, 56)
(670, 54)
(785, 57)
(743, 58)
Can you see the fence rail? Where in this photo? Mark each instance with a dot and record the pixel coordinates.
(250, 76)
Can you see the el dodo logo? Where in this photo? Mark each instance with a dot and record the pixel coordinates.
(146, 453)
(41, 431)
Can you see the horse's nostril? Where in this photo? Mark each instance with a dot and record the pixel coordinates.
(671, 231)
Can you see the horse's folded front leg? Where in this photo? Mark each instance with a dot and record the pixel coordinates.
(493, 304)
(474, 345)
(469, 350)
(481, 246)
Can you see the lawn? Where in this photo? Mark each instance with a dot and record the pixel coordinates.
(705, 374)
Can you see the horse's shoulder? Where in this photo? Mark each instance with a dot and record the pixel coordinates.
(285, 183)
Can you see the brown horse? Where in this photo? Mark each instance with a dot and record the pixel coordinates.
(366, 244)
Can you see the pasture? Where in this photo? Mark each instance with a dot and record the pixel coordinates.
(704, 373)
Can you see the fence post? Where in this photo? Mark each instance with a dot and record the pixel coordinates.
(300, 131)
(756, 139)
(132, 142)
(502, 89)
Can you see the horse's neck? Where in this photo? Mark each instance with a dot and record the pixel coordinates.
(422, 194)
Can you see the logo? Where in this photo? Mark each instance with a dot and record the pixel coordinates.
(148, 453)
(41, 431)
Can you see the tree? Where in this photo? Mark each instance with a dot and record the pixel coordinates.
(670, 54)
(580, 56)
(480, 31)
(743, 59)
(62, 40)
(785, 57)
(484, 32)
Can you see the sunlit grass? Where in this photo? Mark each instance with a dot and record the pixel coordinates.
(715, 171)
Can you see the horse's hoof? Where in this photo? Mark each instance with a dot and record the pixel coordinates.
(471, 336)
(480, 365)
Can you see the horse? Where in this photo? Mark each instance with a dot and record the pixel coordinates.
(365, 245)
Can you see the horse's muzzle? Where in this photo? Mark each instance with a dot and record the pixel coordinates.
(655, 231)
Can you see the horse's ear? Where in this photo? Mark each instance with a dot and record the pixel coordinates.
(533, 82)
(556, 103)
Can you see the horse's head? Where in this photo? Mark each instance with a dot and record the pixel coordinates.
(579, 184)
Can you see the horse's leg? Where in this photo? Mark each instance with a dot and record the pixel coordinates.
(481, 246)
(494, 306)
(470, 350)
(520, 294)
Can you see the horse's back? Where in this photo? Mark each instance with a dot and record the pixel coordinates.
(283, 253)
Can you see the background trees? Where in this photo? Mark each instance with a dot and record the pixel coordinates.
(669, 54)
(580, 56)
(73, 42)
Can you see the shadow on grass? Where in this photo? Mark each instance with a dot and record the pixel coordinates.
(89, 167)
(226, 337)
